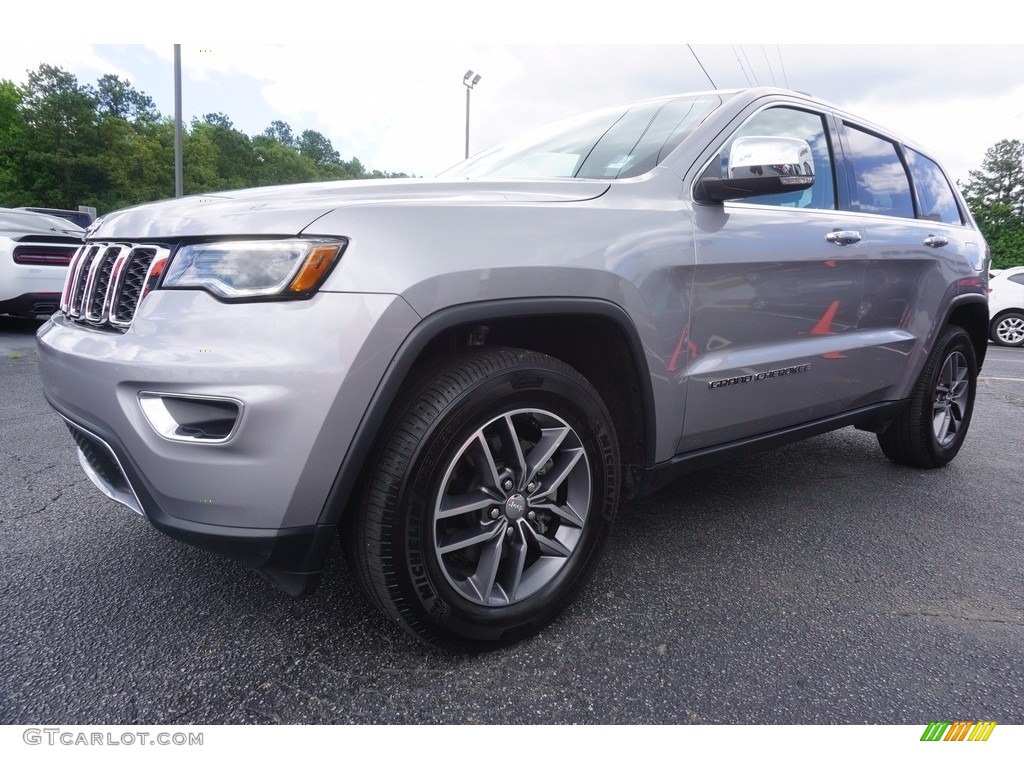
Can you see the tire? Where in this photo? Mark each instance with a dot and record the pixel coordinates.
(930, 432)
(488, 499)
(1008, 329)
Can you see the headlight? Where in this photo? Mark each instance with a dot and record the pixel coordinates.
(281, 269)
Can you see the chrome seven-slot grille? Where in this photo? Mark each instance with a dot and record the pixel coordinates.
(106, 282)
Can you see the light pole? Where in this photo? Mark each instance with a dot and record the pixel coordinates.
(469, 80)
(179, 186)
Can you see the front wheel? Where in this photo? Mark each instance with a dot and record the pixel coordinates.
(488, 499)
(930, 432)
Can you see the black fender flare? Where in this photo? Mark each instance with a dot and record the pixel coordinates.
(443, 320)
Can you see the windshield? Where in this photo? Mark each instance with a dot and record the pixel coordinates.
(613, 143)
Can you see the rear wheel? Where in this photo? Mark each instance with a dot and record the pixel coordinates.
(1008, 329)
(488, 499)
(930, 432)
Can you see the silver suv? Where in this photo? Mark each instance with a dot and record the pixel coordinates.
(463, 376)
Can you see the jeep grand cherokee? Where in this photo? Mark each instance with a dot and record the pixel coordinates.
(463, 376)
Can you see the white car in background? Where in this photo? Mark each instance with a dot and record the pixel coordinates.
(35, 250)
(1006, 306)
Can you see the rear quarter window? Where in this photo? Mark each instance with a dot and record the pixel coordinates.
(935, 196)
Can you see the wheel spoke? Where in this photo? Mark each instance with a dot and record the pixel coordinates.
(959, 389)
(545, 448)
(467, 538)
(511, 574)
(946, 376)
(480, 453)
(512, 449)
(567, 459)
(940, 423)
(564, 511)
(461, 503)
(487, 567)
(548, 546)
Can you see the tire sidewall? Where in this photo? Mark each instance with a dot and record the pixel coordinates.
(431, 598)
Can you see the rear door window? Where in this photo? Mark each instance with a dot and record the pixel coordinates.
(880, 181)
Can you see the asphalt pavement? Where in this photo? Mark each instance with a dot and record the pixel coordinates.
(817, 583)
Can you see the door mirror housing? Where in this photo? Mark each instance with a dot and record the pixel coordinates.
(762, 165)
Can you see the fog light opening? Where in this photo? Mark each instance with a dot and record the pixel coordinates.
(191, 418)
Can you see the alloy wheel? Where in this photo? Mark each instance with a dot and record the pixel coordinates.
(951, 398)
(512, 507)
(1010, 330)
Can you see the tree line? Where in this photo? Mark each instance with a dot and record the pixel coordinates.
(65, 144)
(995, 195)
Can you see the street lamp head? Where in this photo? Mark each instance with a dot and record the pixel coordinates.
(466, 77)
(475, 80)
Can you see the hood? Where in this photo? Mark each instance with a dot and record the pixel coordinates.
(18, 225)
(287, 210)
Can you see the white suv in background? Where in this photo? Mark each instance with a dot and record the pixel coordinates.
(1006, 306)
(35, 250)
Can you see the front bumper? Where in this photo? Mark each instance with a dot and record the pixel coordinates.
(304, 372)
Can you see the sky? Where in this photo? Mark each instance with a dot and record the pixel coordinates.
(384, 83)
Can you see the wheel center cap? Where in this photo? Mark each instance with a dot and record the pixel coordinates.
(515, 506)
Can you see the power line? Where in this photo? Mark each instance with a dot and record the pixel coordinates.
(770, 72)
(702, 67)
(742, 69)
(785, 79)
(749, 65)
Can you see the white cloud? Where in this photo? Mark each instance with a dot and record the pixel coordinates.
(958, 129)
(17, 60)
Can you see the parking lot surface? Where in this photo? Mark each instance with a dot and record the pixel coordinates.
(817, 583)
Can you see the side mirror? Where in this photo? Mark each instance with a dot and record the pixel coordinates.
(763, 165)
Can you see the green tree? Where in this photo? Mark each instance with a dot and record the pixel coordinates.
(225, 154)
(62, 141)
(139, 164)
(65, 144)
(280, 164)
(354, 169)
(12, 146)
(995, 194)
(280, 132)
(117, 98)
(318, 148)
(61, 112)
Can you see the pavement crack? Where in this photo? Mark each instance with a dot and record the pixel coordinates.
(46, 505)
(962, 617)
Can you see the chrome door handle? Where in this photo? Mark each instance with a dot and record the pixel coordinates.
(936, 241)
(843, 237)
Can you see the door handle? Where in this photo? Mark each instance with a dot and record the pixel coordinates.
(843, 237)
(936, 241)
